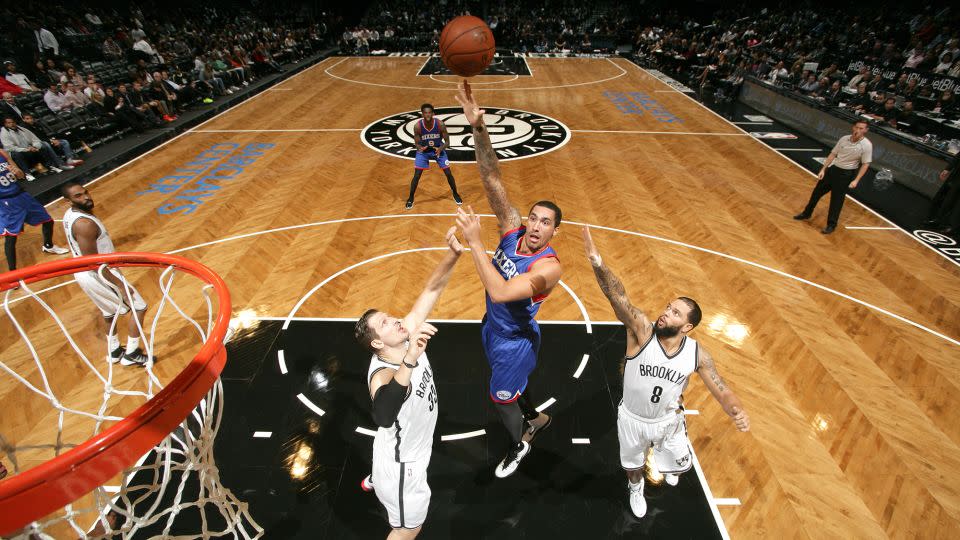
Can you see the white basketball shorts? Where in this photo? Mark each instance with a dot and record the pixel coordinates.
(671, 448)
(104, 296)
(402, 489)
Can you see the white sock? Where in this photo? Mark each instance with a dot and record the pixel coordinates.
(132, 344)
(112, 343)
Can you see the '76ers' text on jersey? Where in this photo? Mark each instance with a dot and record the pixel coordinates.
(653, 382)
(515, 318)
(431, 138)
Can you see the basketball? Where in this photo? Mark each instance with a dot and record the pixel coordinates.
(466, 46)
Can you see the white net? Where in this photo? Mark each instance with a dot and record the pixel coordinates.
(173, 491)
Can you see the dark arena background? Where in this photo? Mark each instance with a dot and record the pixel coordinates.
(274, 143)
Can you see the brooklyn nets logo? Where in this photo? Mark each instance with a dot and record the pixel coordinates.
(515, 134)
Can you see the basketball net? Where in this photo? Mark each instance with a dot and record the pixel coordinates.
(178, 478)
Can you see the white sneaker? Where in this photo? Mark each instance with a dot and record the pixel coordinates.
(66, 167)
(671, 479)
(55, 249)
(30, 177)
(56, 170)
(638, 505)
(512, 460)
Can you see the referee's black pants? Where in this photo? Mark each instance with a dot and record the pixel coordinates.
(837, 182)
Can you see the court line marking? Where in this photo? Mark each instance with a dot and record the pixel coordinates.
(365, 431)
(727, 502)
(710, 500)
(310, 405)
(262, 434)
(759, 266)
(691, 412)
(515, 77)
(278, 89)
(872, 228)
(797, 149)
(797, 165)
(529, 69)
(442, 89)
(582, 440)
(467, 435)
(283, 362)
(543, 406)
(659, 132)
(322, 130)
(738, 123)
(583, 364)
(214, 117)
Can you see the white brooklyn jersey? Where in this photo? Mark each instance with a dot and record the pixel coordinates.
(410, 438)
(653, 382)
(70, 217)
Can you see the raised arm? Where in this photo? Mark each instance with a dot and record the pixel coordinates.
(541, 279)
(435, 285)
(721, 392)
(507, 215)
(638, 325)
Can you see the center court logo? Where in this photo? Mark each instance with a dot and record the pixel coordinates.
(515, 134)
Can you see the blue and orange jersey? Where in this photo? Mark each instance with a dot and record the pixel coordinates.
(431, 138)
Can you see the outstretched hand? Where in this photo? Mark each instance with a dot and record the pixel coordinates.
(419, 339)
(472, 111)
(469, 225)
(452, 241)
(592, 253)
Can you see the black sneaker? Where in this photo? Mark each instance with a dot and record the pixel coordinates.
(457, 199)
(510, 463)
(135, 358)
(801, 216)
(115, 355)
(409, 204)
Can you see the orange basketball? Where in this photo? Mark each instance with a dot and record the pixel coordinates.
(466, 46)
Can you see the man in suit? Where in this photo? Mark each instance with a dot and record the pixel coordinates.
(10, 109)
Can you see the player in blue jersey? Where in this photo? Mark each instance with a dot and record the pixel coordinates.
(524, 270)
(432, 140)
(18, 207)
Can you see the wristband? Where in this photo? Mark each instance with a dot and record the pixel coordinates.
(414, 366)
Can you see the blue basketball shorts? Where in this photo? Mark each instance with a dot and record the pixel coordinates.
(423, 160)
(19, 209)
(511, 359)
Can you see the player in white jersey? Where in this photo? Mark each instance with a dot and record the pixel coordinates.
(660, 358)
(405, 405)
(112, 294)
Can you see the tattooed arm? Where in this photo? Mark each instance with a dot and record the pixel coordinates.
(507, 215)
(638, 326)
(721, 392)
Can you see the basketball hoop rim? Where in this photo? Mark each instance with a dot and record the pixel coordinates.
(40, 491)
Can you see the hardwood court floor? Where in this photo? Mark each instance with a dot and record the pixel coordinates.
(842, 347)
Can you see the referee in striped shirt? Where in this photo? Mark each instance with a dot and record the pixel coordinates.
(850, 158)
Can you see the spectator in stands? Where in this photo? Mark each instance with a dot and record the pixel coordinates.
(911, 89)
(835, 95)
(27, 149)
(10, 109)
(94, 91)
(861, 102)
(55, 99)
(862, 76)
(810, 86)
(946, 104)
(159, 92)
(914, 56)
(946, 62)
(72, 76)
(143, 51)
(46, 42)
(19, 79)
(111, 49)
(889, 113)
(117, 108)
(207, 75)
(778, 74)
(832, 72)
(907, 118)
(62, 146)
(53, 71)
(75, 96)
(149, 109)
(41, 78)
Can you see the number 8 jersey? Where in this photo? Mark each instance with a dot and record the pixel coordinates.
(653, 382)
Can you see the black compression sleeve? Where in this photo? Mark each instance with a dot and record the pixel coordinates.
(387, 402)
